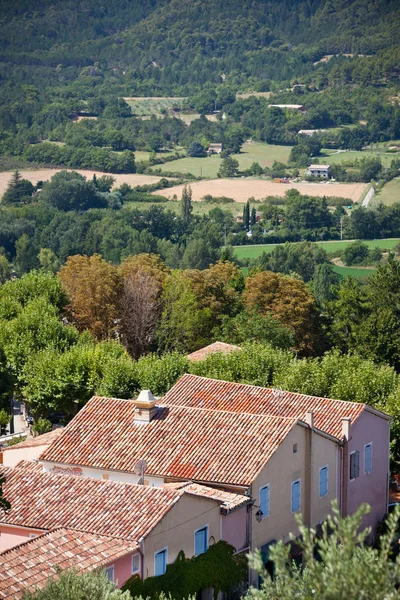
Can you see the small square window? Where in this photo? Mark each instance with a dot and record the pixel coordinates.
(294, 448)
(135, 564)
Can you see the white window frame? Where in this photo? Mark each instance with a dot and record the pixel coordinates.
(166, 559)
(327, 481)
(365, 446)
(110, 568)
(291, 496)
(134, 571)
(194, 539)
(351, 453)
(264, 487)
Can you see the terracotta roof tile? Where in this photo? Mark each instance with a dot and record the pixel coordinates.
(31, 563)
(205, 393)
(228, 500)
(46, 501)
(212, 349)
(182, 442)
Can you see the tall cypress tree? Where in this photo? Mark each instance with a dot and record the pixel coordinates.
(253, 216)
(186, 203)
(246, 215)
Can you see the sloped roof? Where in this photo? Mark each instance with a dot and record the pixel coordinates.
(228, 500)
(204, 393)
(212, 349)
(39, 440)
(47, 501)
(182, 442)
(30, 564)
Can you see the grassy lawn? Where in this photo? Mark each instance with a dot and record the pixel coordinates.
(390, 193)
(152, 106)
(354, 272)
(265, 154)
(199, 208)
(256, 251)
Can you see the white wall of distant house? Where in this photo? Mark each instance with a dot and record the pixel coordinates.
(13, 455)
(105, 474)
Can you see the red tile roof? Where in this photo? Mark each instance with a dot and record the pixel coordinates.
(228, 500)
(212, 349)
(46, 501)
(29, 565)
(205, 393)
(182, 442)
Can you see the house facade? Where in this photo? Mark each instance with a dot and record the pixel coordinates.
(322, 171)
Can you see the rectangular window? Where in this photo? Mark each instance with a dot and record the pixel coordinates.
(135, 564)
(296, 489)
(368, 458)
(110, 573)
(264, 500)
(354, 464)
(201, 541)
(160, 562)
(323, 482)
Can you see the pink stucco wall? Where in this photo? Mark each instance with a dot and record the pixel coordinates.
(123, 569)
(12, 536)
(373, 487)
(234, 528)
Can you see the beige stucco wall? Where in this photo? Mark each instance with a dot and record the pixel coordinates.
(107, 474)
(13, 455)
(176, 530)
(283, 468)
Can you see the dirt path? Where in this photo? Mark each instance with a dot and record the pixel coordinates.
(242, 189)
(45, 174)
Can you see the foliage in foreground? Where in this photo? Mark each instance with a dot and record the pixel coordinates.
(348, 568)
(72, 585)
(218, 568)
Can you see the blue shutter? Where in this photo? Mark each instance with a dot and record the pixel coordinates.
(368, 458)
(264, 500)
(295, 496)
(161, 562)
(200, 541)
(323, 482)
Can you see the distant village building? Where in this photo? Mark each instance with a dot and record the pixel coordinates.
(214, 149)
(299, 107)
(310, 132)
(319, 171)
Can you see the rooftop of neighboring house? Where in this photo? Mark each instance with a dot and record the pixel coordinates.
(40, 440)
(319, 167)
(47, 501)
(212, 349)
(31, 563)
(204, 393)
(229, 500)
(179, 442)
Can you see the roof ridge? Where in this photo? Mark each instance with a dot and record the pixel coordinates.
(250, 385)
(229, 412)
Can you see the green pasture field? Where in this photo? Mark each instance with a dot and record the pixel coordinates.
(333, 157)
(356, 272)
(199, 208)
(334, 246)
(152, 106)
(390, 193)
(264, 154)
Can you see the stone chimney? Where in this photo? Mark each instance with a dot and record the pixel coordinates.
(346, 424)
(145, 407)
(310, 419)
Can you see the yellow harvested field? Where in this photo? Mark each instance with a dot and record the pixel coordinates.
(242, 189)
(45, 174)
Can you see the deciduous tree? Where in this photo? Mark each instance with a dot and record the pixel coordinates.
(94, 288)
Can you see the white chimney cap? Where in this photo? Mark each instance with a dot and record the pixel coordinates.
(146, 397)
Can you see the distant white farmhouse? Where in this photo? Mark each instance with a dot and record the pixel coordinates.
(299, 107)
(215, 149)
(310, 132)
(319, 171)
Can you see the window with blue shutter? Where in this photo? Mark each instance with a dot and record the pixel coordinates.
(264, 500)
(296, 496)
(160, 562)
(201, 541)
(323, 482)
(110, 573)
(368, 458)
(354, 464)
